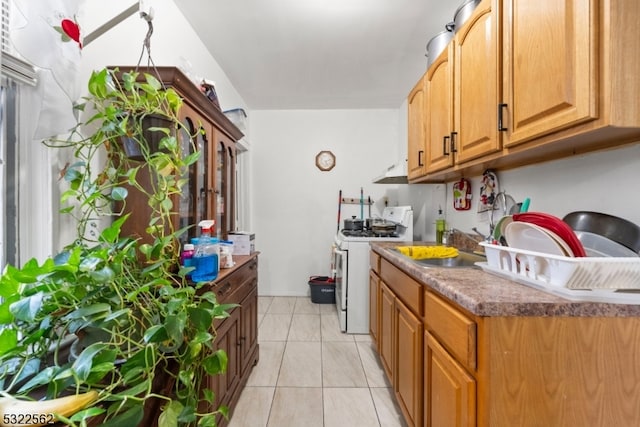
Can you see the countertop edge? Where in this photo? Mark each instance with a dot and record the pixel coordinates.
(485, 294)
(239, 261)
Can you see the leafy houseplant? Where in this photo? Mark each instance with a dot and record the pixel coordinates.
(156, 336)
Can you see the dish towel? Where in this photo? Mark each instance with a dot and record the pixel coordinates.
(423, 252)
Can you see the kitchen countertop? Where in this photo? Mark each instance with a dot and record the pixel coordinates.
(239, 261)
(485, 294)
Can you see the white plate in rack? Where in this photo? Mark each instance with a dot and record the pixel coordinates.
(530, 237)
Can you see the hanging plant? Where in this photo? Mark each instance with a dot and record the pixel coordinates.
(156, 343)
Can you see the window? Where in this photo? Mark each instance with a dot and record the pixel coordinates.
(15, 74)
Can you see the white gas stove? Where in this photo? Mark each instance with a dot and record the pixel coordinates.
(402, 216)
(351, 262)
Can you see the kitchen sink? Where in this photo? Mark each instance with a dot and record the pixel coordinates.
(463, 260)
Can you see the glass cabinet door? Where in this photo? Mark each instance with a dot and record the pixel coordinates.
(194, 203)
(224, 186)
(186, 204)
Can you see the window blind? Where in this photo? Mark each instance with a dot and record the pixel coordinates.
(12, 66)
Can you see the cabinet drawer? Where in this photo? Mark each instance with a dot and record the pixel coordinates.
(403, 286)
(374, 261)
(452, 328)
(233, 288)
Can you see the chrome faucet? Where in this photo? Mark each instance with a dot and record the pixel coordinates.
(486, 238)
(447, 237)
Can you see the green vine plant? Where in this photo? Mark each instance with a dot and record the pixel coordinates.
(146, 331)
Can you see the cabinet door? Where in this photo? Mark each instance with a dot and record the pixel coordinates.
(439, 112)
(249, 325)
(550, 60)
(225, 185)
(476, 85)
(194, 203)
(387, 325)
(227, 339)
(374, 306)
(450, 392)
(409, 363)
(416, 136)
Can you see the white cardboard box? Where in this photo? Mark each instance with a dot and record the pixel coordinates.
(243, 242)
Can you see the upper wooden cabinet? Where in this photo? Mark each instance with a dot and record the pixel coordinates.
(476, 91)
(439, 112)
(416, 148)
(209, 191)
(536, 81)
(461, 87)
(550, 75)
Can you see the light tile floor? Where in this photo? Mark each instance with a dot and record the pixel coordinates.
(310, 374)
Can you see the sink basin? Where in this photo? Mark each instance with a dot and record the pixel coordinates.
(463, 260)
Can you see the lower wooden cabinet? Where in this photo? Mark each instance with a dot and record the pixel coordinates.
(408, 366)
(452, 368)
(449, 391)
(387, 326)
(400, 347)
(237, 334)
(374, 296)
(374, 301)
(249, 332)
(227, 339)
(427, 349)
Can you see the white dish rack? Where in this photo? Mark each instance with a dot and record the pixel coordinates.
(615, 280)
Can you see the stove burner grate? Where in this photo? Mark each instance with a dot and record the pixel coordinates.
(368, 233)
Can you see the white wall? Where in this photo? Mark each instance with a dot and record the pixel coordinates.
(173, 43)
(603, 181)
(295, 205)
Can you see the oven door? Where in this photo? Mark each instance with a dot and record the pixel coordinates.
(341, 261)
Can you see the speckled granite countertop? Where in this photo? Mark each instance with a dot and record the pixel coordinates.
(485, 294)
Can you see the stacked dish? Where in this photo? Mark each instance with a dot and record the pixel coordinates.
(545, 233)
(543, 251)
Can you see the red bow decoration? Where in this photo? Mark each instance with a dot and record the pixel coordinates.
(72, 30)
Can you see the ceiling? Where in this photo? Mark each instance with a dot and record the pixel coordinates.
(319, 54)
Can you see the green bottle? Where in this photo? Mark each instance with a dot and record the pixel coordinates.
(441, 225)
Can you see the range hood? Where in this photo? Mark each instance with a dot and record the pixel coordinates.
(394, 174)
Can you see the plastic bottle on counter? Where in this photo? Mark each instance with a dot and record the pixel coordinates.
(206, 258)
(441, 225)
(226, 254)
(187, 255)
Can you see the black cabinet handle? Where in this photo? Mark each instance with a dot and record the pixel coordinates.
(501, 108)
(420, 153)
(453, 142)
(445, 144)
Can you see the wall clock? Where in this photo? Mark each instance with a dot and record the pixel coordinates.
(325, 160)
